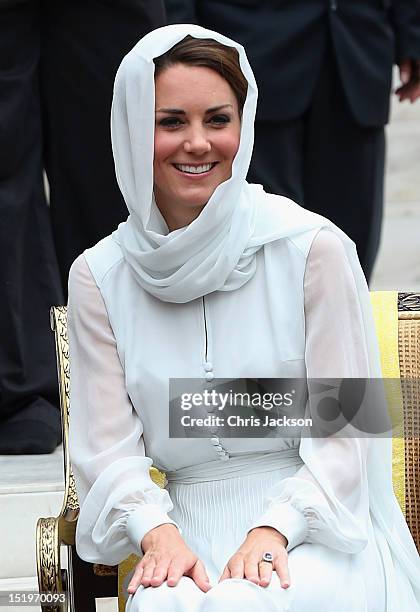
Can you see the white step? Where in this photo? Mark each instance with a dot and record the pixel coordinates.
(14, 585)
(31, 486)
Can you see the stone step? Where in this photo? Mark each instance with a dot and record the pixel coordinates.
(31, 486)
(12, 586)
(16, 585)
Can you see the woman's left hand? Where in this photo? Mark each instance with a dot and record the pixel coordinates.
(247, 561)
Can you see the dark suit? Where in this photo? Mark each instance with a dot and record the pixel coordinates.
(324, 71)
(57, 65)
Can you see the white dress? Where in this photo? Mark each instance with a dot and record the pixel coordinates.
(308, 323)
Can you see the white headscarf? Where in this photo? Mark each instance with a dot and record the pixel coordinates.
(217, 250)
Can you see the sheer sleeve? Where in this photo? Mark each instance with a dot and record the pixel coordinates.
(327, 501)
(118, 500)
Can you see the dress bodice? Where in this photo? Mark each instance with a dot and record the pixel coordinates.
(256, 331)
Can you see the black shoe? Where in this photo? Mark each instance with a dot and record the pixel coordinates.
(34, 430)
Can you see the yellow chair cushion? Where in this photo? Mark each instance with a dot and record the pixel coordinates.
(385, 312)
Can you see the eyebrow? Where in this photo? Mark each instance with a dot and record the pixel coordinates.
(179, 111)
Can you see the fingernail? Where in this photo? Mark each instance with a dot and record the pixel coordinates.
(285, 585)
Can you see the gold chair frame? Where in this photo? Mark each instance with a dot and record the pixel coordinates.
(54, 532)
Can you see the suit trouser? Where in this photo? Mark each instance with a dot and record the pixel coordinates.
(57, 65)
(84, 42)
(327, 162)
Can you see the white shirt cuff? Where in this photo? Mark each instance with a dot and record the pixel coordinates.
(142, 520)
(287, 520)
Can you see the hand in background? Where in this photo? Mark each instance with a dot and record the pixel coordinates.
(167, 557)
(410, 79)
(246, 562)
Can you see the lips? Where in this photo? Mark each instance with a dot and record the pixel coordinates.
(195, 169)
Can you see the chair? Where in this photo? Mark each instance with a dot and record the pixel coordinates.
(56, 535)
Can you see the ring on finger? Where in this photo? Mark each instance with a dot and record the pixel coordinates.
(267, 557)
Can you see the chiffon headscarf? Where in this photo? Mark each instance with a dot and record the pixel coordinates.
(217, 251)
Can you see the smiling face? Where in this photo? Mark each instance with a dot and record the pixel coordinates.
(197, 136)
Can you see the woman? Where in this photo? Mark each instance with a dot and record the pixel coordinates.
(211, 277)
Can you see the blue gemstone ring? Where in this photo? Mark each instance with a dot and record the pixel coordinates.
(268, 557)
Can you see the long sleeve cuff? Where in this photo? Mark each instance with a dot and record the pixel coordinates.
(142, 520)
(287, 520)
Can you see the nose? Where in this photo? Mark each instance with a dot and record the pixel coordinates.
(197, 142)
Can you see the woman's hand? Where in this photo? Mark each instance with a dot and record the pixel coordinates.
(246, 562)
(167, 557)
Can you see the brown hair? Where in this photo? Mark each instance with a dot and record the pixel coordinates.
(209, 54)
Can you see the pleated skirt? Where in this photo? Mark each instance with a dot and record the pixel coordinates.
(214, 515)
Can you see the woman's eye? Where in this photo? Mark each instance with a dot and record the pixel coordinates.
(173, 122)
(220, 119)
(170, 122)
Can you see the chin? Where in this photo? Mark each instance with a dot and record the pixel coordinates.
(198, 200)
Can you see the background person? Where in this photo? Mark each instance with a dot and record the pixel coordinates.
(324, 73)
(57, 65)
